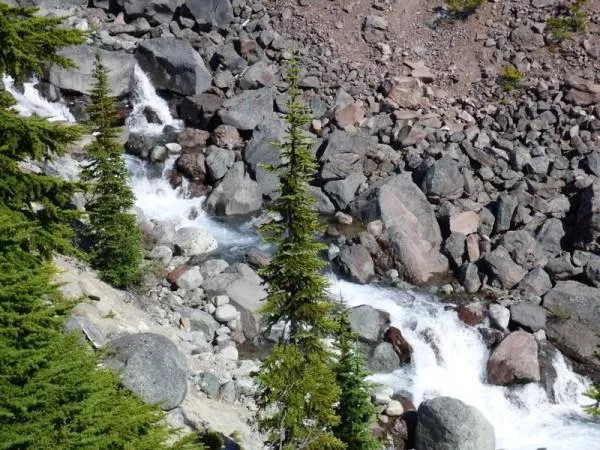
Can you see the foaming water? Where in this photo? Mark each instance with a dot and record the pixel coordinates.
(31, 102)
(450, 359)
(144, 96)
(160, 201)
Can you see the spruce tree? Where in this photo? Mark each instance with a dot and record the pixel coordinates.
(116, 249)
(297, 389)
(355, 409)
(593, 393)
(52, 394)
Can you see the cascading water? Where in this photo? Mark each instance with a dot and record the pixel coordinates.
(523, 420)
(31, 102)
(145, 96)
(449, 357)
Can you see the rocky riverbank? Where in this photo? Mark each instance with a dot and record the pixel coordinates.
(439, 171)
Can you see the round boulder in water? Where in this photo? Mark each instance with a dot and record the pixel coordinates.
(151, 366)
(446, 423)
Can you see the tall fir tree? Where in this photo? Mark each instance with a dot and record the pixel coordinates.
(52, 394)
(297, 389)
(116, 241)
(355, 409)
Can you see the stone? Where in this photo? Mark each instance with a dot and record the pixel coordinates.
(210, 14)
(448, 424)
(414, 233)
(357, 263)
(523, 37)
(259, 74)
(237, 194)
(229, 353)
(210, 384)
(151, 366)
(515, 360)
(218, 162)
(406, 92)
(471, 313)
(473, 251)
(342, 192)
(507, 204)
(89, 332)
(349, 115)
(344, 154)
(156, 11)
(409, 135)
(201, 321)
(549, 237)
(384, 359)
(454, 248)
(119, 65)
(466, 222)
(200, 110)
(577, 342)
(225, 313)
(191, 241)
(528, 316)
(499, 316)
(401, 346)
(173, 65)
(212, 267)
(442, 180)
(226, 136)
(536, 283)
(574, 300)
(369, 323)
(161, 253)
(394, 408)
(190, 279)
(469, 278)
(522, 248)
(582, 92)
(248, 109)
(501, 267)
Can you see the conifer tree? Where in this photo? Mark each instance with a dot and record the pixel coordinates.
(593, 393)
(52, 395)
(116, 248)
(297, 389)
(355, 409)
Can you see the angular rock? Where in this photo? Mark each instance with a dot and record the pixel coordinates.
(218, 162)
(191, 241)
(247, 110)
(448, 424)
(369, 323)
(81, 79)
(507, 204)
(528, 316)
(156, 11)
(190, 279)
(471, 313)
(342, 192)
(443, 181)
(454, 248)
(225, 313)
(521, 246)
(576, 341)
(201, 321)
(357, 263)
(583, 92)
(210, 14)
(466, 222)
(574, 300)
(549, 237)
(499, 316)
(536, 283)
(500, 266)
(174, 65)
(89, 332)
(384, 359)
(236, 194)
(151, 366)
(413, 230)
(344, 154)
(515, 360)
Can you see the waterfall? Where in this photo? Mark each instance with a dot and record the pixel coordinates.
(523, 416)
(144, 96)
(31, 102)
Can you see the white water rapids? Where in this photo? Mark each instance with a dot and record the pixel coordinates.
(523, 417)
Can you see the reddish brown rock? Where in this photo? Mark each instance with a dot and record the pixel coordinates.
(515, 360)
(471, 313)
(349, 115)
(174, 274)
(193, 138)
(465, 222)
(226, 136)
(401, 346)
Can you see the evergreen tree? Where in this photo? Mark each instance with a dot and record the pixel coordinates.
(594, 394)
(116, 248)
(355, 409)
(52, 395)
(297, 389)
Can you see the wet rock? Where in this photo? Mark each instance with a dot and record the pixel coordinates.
(192, 166)
(190, 241)
(401, 346)
(218, 162)
(369, 323)
(236, 194)
(448, 424)
(174, 65)
(151, 366)
(384, 359)
(357, 263)
(515, 360)
(471, 313)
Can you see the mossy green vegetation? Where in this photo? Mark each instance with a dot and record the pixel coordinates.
(464, 7)
(569, 20)
(510, 78)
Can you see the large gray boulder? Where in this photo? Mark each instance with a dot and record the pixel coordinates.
(151, 366)
(448, 424)
(501, 267)
(156, 11)
(248, 109)
(529, 316)
(443, 180)
(356, 262)
(342, 192)
(261, 150)
(174, 65)
(81, 78)
(571, 299)
(515, 360)
(210, 14)
(576, 341)
(237, 194)
(369, 323)
(344, 154)
(410, 222)
(384, 359)
(192, 241)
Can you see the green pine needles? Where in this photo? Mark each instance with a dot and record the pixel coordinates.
(116, 248)
(355, 410)
(297, 389)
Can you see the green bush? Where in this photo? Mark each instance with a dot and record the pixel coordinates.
(510, 78)
(464, 7)
(570, 20)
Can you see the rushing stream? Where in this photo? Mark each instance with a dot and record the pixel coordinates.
(523, 417)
